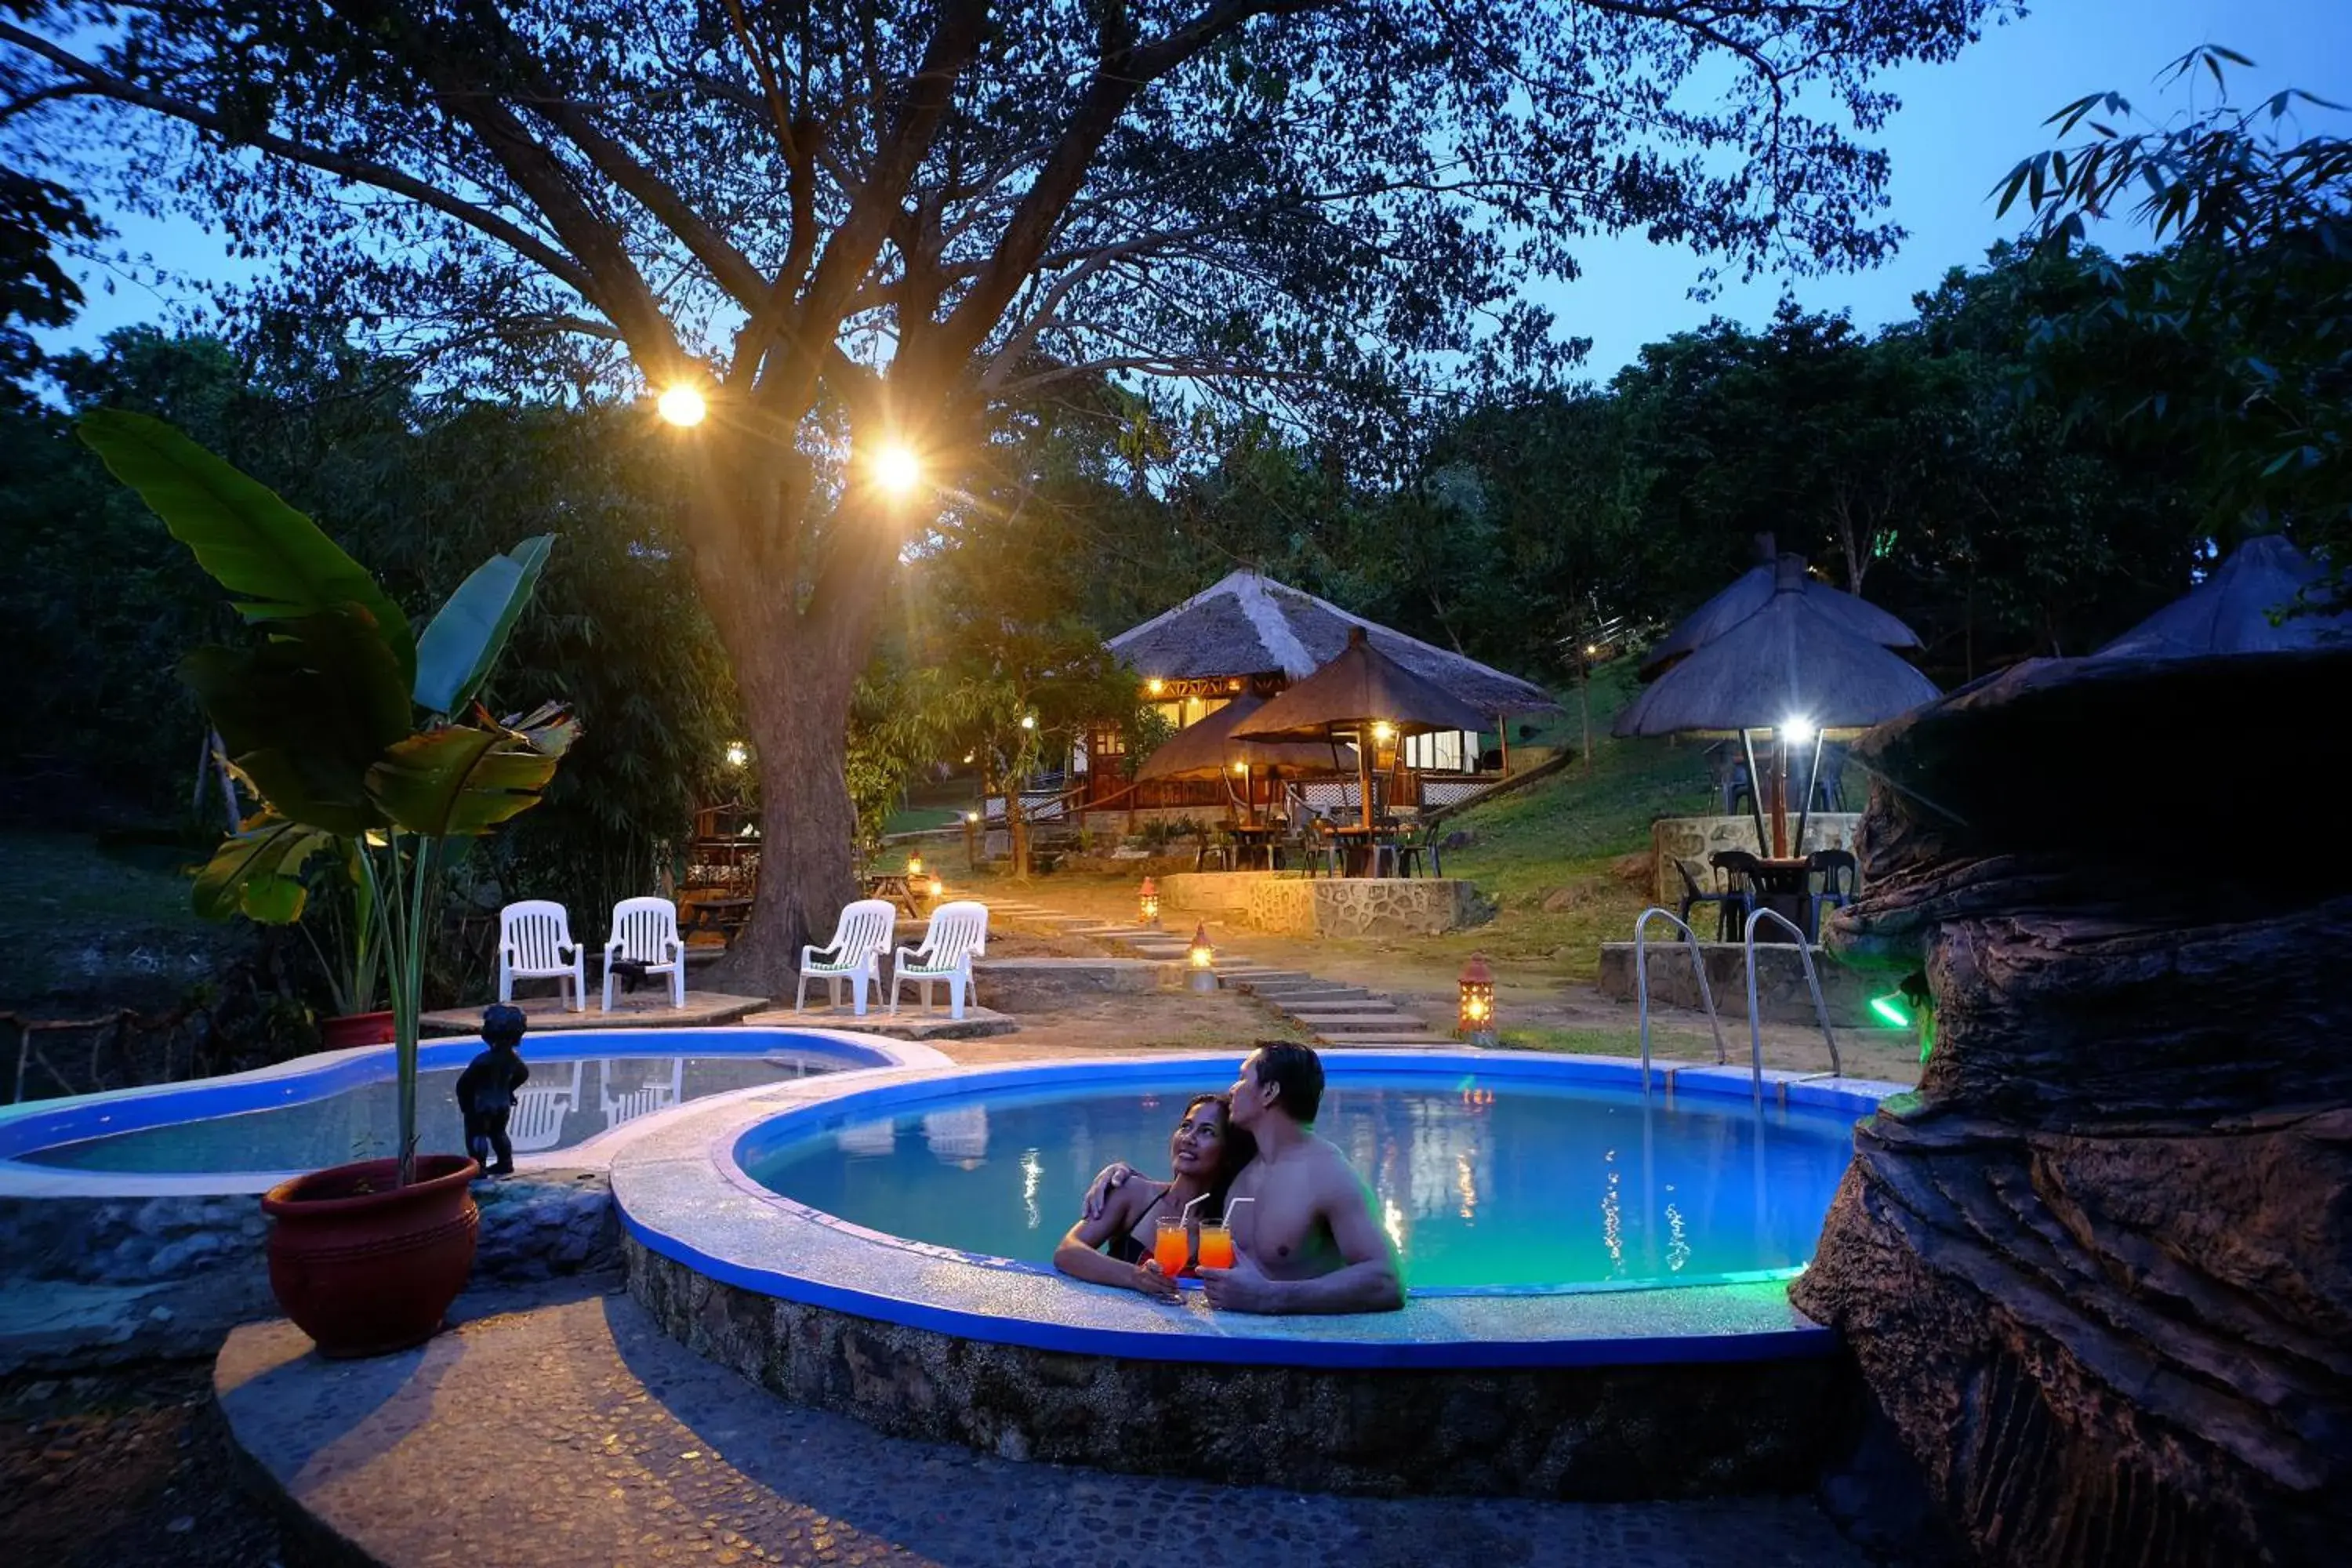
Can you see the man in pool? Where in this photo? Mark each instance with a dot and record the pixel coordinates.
(1306, 1238)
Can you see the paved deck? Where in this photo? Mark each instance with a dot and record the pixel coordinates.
(646, 1008)
(913, 1023)
(568, 1429)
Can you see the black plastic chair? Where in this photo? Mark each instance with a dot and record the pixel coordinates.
(1841, 876)
(1411, 844)
(1218, 847)
(1730, 900)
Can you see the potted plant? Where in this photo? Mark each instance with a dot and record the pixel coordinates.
(237, 882)
(321, 718)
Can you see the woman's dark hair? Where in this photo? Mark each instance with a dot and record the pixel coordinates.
(1236, 1148)
(502, 1024)
(1298, 1072)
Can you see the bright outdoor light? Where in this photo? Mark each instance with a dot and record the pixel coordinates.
(681, 406)
(914, 866)
(1148, 904)
(1476, 1017)
(1383, 732)
(1028, 720)
(970, 815)
(897, 469)
(737, 753)
(1155, 686)
(1892, 1008)
(1797, 730)
(1202, 957)
(1240, 768)
(939, 889)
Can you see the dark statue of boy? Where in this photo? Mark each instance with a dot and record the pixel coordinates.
(486, 1089)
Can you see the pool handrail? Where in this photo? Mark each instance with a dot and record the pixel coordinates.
(1642, 982)
(1812, 982)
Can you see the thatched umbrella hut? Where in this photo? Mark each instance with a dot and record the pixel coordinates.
(1209, 749)
(1366, 695)
(1750, 591)
(1791, 668)
(2230, 611)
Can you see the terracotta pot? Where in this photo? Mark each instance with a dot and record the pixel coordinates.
(363, 1267)
(355, 1029)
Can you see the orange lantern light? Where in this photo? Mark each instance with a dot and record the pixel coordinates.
(1200, 958)
(1476, 1018)
(1148, 903)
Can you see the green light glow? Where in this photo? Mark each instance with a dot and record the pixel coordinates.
(1892, 1008)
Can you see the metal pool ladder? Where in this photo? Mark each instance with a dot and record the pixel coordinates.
(1755, 1017)
(1706, 990)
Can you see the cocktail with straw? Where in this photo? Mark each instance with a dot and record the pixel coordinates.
(1217, 1237)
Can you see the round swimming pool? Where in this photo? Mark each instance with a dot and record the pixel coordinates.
(1482, 1181)
(1598, 1278)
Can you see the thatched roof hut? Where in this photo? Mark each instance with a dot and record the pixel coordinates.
(1208, 750)
(1792, 658)
(1246, 623)
(1750, 591)
(2230, 611)
(1362, 683)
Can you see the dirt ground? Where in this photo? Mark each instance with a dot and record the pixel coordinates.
(125, 1467)
(1543, 1011)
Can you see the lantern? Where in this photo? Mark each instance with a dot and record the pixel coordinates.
(1199, 956)
(1148, 904)
(737, 753)
(1477, 1011)
(938, 889)
(914, 865)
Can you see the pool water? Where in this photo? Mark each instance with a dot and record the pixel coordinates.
(1508, 1185)
(567, 1101)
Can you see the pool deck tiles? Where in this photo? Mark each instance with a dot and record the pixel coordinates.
(561, 1426)
(647, 1008)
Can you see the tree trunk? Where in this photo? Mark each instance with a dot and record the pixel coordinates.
(795, 669)
(1016, 828)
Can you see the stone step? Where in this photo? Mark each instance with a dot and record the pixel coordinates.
(1392, 1043)
(1251, 976)
(1386, 1024)
(1332, 996)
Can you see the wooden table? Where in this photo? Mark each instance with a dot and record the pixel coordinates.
(1359, 847)
(1784, 886)
(896, 887)
(1254, 841)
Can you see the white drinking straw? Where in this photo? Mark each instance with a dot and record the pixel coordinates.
(1196, 1203)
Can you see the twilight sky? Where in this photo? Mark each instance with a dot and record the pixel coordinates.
(1960, 129)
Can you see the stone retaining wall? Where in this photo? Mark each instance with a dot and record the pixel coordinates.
(205, 1255)
(1365, 906)
(1667, 1431)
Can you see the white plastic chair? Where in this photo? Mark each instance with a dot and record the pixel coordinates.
(536, 1123)
(958, 933)
(860, 940)
(533, 937)
(639, 1100)
(645, 931)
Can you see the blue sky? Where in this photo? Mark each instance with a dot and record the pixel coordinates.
(1961, 128)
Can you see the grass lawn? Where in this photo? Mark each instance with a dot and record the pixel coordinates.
(78, 907)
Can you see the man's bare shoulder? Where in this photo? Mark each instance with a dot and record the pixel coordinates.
(1335, 1177)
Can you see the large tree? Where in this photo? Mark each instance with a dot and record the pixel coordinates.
(860, 222)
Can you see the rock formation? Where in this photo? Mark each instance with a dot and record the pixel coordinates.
(2098, 1270)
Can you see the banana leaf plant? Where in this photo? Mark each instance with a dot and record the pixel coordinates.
(361, 737)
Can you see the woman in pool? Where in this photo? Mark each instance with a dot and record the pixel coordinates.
(1205, 1153)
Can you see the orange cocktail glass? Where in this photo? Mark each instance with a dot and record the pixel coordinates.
(1171, 1245)
(1216, 1246)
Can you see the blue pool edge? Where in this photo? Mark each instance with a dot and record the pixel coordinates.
(683, 1195)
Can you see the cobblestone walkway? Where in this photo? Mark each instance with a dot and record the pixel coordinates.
(574, 1432)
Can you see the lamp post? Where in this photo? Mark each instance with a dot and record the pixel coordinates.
(1200, 960)
(1148, 903)
(1477, 1020)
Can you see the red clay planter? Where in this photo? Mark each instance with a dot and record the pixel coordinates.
(365, 1266)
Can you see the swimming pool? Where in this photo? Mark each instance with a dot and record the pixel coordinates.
(245, 1132)
(1483, 1181)
(876, 1245)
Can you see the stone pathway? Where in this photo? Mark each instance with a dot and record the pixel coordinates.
(1334, 1014)
(570, 1430)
